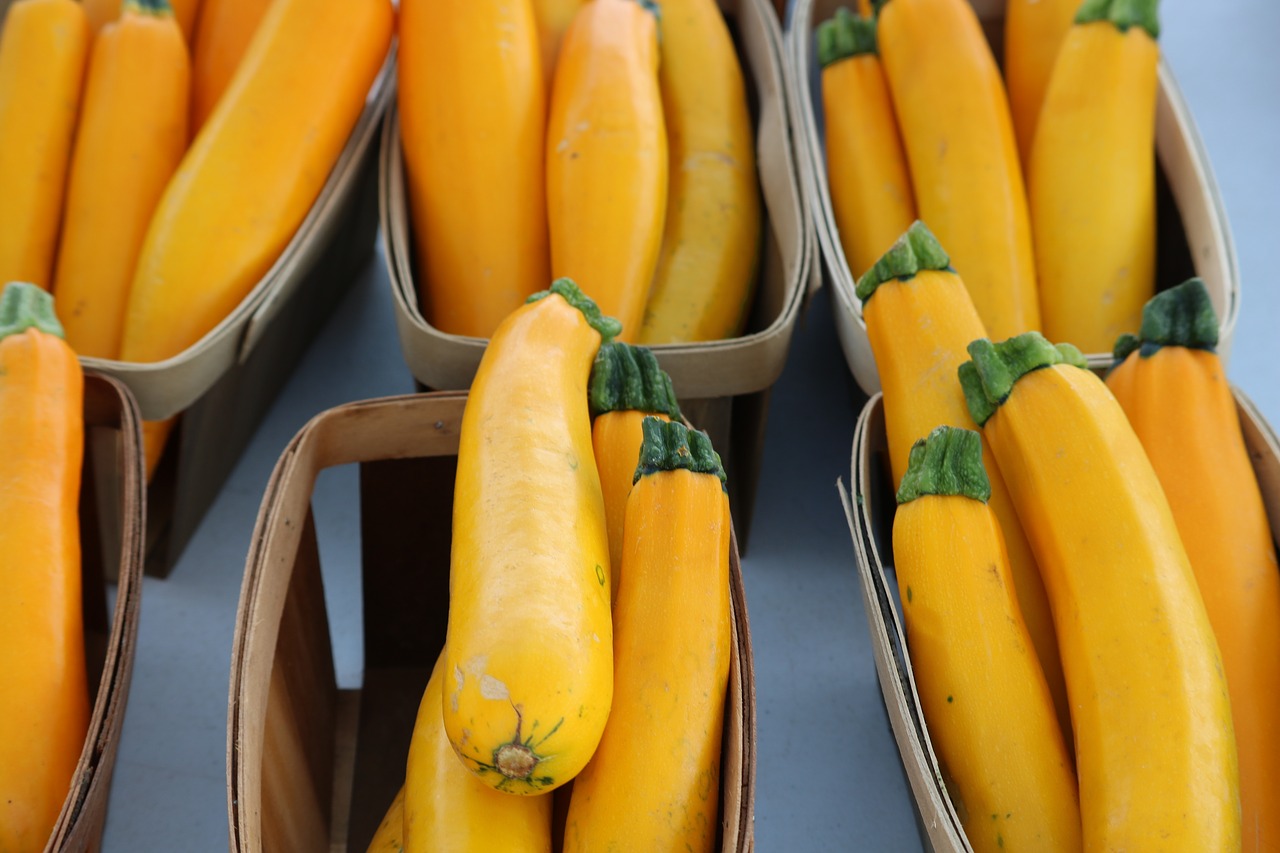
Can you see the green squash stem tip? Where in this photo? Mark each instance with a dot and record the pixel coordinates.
(24, 306)
(947, 462)
(628, 378)
(988, 377)
(670, 445)
(916, 250)
(1181, 316)
(608, 327)
(1122, 14)
(845, 35)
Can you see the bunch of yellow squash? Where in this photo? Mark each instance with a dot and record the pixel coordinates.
(1044, 193)
(608, 141)
(154, 167)
(563, 662)
(1086, 570)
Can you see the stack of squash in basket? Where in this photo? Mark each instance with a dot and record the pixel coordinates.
(1045, 196)
(589, 614)
(608, 141)
(152, 173)
(1086, 571)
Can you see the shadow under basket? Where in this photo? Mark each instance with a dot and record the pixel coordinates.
(311, 766)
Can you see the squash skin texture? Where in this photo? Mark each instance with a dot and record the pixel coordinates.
(474, 158)
(254, 170)
(447, 808)
(131, 136)
(1091, 186)
(918, 327)
(529, 651)
(44, 700)
(871, 192)
(653, 783)
(1180, 405)
(710, 251)
(44, 45)
(1155, 749)
(954, 118)
(388, 837)
(607, 158)
(553, 18)
(103, 12)
(221, 40)
(986, 702)
(1033, 33)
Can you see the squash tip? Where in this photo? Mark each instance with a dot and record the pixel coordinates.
(916, 250)
(568, 290)
(25, 306)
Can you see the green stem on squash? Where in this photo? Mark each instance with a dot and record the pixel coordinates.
(845, 35)
(946, 462)
(916, 250)
(993, 369)
(24, 306)
(1181, 316)
(565, 288)
(670, 445)
(1122, 14)
(628, 378)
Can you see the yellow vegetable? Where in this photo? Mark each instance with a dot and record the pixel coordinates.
(654, 781)
(985, 700)
(607, 157)
(954, 118)
(390, 834)
(871, 191)
(529, 654)
(1155, 750)
(1033, 33)
(1091, 180)
(711, 240)
(44, 45)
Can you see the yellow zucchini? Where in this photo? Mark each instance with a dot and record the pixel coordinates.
(627, 385)
(474, 158)
(1091, 178)
(654, 782)
(1155, 749)
(954, 118)
(1172, 387)
(607, 157)
(447, 808)
(1033, 33)
(871, 193)
(706, 271)
(44, 45)
(390, 833)
(983, 693)
(131, 136)
(529, 653)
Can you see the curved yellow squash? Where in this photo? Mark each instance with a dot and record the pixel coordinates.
(1155, 748)
(954, 118)
(448, 808)
(654, 782)
(554, 17)
(255, 169)
(706, 269)
(529, 655)
(1091, 184)
(131, 136)
(607, 158)
(1033, 33)
(985, 700)
(473, 152)
(44, 45)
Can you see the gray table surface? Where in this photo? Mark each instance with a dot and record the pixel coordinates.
(829, 775)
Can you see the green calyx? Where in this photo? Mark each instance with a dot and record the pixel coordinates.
(24, 306)
(670, 445)
(1122, 14)
(628, 378)
(155, 8)
(845, 35)
(993, 369)
(1181, 316)
(916, 250)
(946, 462)
(608, 327)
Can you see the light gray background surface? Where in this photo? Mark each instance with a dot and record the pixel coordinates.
(828, 772)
